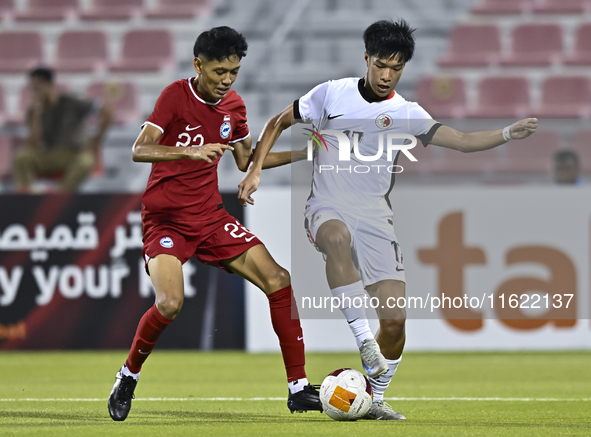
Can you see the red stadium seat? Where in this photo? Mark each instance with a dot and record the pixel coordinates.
(424, 163)
(179, 9)
(531, 155)
(502, 7)
(20, 51)
(5, 157)
(473, 46)
(3, 114)
(535, 45)
(48, 10)
(455, 162)
(442, 97)
(6, 8)
(562, 7)
(581, 143)
(81, 51)
(146, 50)
(114, 10)
(502, 97)
(566, 97)
(582, 55)
(120, 97)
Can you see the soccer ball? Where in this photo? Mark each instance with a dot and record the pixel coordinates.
(345, 394)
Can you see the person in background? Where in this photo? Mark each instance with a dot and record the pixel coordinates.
(58, 143)
(566, 168)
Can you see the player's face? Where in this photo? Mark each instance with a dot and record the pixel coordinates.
(566, 172)
(216, 77)
(382, 75)
(40, 88)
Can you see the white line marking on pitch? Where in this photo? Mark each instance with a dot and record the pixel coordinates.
(283, 399)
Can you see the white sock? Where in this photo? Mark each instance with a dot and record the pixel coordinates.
(381, 383)
(355, 316)
(128, 372)
(297, 385)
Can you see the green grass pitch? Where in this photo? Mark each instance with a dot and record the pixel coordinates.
(441, 394)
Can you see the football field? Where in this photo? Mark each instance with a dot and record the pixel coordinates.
(235, 393)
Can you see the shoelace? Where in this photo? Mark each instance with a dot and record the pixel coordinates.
(369, 355)
(125, 388)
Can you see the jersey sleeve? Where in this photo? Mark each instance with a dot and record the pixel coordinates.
(165, 109)
(240, 131)
(421, 124)
(311, 106)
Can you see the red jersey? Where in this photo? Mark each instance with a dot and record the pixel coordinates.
(185, 190)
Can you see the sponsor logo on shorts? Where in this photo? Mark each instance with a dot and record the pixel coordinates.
(166, 242)
(225, 129)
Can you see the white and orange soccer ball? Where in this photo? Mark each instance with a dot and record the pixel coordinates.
(345, 394)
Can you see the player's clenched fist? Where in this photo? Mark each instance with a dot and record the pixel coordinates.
(523, 128)
(208, 152)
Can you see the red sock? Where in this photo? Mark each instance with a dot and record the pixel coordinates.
(148, 331)
(286, 323)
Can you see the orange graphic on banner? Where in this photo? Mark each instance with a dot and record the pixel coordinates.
(18, 331)
(342, 399)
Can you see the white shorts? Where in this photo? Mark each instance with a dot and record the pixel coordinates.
(375, 251)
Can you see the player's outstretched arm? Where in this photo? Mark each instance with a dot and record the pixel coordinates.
(147, 149)
(483, 140)
(271, 132)
(243, 155)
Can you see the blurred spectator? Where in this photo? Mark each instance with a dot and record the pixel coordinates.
(58, 145)
(566, 168)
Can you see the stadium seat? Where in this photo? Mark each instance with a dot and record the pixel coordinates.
(120, 97)
(5, 157)
(473, 46)
(562, 7)
(425, 160)
(20, 51)
(502, 97)
(3, 115)
(145, 50)
(442, 97)
(566, 97)
(582, 54)
(113, 10)
(535, 45)
(531, 155)
(6, 8)
(581, 144)
(48, 10)
(179, 9)
(455, 162)
(502, 7)
(81, 51)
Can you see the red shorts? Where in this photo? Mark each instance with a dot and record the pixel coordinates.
(221, 238)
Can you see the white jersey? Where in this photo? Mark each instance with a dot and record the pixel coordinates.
(358, 186)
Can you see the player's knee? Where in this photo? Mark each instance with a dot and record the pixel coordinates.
(23, 156)
(334, 240)
(393, 328)
(279, 279)
(169, 306)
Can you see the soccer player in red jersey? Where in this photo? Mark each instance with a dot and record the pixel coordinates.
(194, 121)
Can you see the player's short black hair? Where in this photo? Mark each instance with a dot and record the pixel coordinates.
(220, 43)
(565, 156)
(387, 38)
(43, 73)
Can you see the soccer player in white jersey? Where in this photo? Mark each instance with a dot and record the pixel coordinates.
(348, 215)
